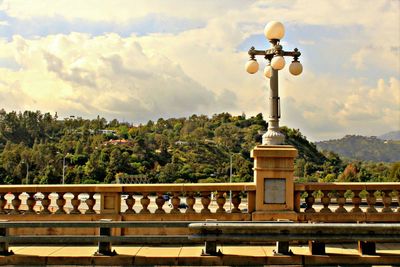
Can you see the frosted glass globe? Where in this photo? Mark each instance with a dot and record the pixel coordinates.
(252, 66)
(268, 71)
(274, 30)
(296, 68)
(278, 62)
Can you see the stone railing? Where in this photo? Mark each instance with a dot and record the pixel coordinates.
(324, 202)
(180, 201)
(125, 203)
(347, 202)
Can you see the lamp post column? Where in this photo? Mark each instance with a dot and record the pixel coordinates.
(230, 182)
(273, 136)
(63, 171)
(27, 173)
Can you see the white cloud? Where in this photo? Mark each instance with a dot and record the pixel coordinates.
(326, 107)
(107, 75)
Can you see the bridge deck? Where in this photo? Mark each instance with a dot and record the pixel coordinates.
(387, 254)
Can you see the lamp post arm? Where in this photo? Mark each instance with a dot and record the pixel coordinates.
(295, 53)
(253, 52)
(270, 53)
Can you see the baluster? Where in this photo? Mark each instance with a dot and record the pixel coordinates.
(310, 200)
(356, 202)
(130, 202)
(16, 202)
(236, 200)
(398, 200)
(221, 200)
(190, 201)
(45, 203)
(205, 201)
(387, 201)
(145, 201)
(325, 200)
(30, 202)
(75, 202)
(341, 201)
(60, 203)
(3, 203)
(90, 202)
(175, 201)
(297, 200)
(371, 201)
(160, 201)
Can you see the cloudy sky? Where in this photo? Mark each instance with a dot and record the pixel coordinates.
(142, 60)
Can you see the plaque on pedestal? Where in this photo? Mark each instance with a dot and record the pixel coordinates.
(274, 191)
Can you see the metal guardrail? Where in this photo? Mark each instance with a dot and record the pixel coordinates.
(102, 224)
(210, 233)
(316, 234)
(88, 224)
(104, 239)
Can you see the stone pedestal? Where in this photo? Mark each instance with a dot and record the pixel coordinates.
(273, 175)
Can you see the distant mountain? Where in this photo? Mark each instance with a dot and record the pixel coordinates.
(394, 136)
(363, 148)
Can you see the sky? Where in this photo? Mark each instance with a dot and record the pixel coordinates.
(143, 60)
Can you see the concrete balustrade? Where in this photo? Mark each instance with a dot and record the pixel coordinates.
(311, 201)
(140, 199)
(348, 202)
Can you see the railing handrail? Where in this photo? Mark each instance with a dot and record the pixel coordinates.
(105, 223)
(121, 188)
(298, 228)
(347, 186)
(88, 224)
(84, 239)
(220, 232)
(183, 187)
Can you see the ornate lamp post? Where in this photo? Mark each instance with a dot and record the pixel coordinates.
(274, 32)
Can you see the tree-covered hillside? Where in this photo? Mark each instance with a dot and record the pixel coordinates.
(33, 147)
(364, 148)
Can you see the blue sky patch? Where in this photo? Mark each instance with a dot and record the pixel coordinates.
(9, 63)
(43, 26)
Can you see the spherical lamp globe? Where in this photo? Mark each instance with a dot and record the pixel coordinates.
(252, 66)
(278, 62)
(296, 68)
(268, 71)
(274, 30)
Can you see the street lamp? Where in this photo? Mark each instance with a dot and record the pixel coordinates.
(274, 32)
(63, 170)
(64, 166)
(230, 177)
(27, 171)
(230, 181)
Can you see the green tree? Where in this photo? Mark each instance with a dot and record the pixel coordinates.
(394, 175)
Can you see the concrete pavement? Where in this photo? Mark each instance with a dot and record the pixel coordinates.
(387, 254)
